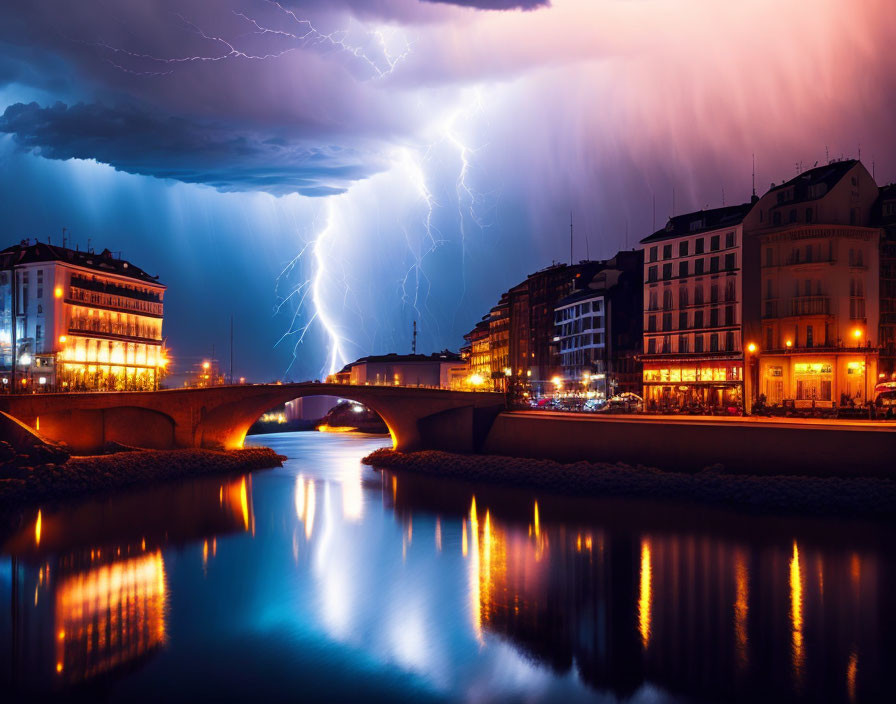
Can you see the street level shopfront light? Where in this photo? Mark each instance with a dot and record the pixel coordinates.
(62, 339)
(476, 380)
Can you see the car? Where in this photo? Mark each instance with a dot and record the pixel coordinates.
(592, 405)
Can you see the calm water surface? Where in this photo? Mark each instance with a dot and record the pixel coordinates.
(326, 579)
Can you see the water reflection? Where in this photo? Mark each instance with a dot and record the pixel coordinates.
(727, 611)
(100, 592)
(332, 579)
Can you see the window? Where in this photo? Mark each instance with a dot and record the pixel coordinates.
(698, 343)
(769, 339)
(683, 268)
(729, 315)
(731, 289)
(38, 331)
(730, 261)
(729, 239)
(682, 297)
(808, 214)
(651, 346)
(698, 267)
(652, 305)
(651, 273)
(698, 319)
(792, 215)
(698, 246)
(667, 344)
(667, 271)
(696, 225)
(769, 256)
(653, 253)
(714, 292)
(40, 292)
(729, 341)
(809, 336)
(651, 323)
(776, 218)
(683, 343)
(698, 295)
(667, 298)
(713, 317)
(667, 321)
(714, 243)
(683, 320)
(714, 264)
(714, 342)
(667, 251)
(683, 248)
(40, 308)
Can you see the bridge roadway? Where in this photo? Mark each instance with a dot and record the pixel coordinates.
(220, 416)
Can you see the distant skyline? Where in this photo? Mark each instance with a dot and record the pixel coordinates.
(350, 166)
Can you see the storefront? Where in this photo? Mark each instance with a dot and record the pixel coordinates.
(825, 380)
(709, 385)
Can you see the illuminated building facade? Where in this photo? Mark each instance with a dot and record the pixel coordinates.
(820, 288)
(479, 363)
(78, 320)
(698, 310)
(499, 342)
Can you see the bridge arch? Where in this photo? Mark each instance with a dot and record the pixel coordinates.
(220, 416)
(226, 425)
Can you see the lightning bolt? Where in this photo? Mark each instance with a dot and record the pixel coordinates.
(380, 66)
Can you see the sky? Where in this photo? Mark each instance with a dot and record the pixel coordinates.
(327, 172)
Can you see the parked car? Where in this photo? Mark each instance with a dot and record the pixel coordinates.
(625, 402)
(592, 405)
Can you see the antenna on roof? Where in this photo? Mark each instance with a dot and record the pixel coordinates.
(570, 238)
(654, 213)
(754, 174)
(860, 151)
(63, 236)
(827, 154)
(414, 340)
(587, 248)
(723, 196)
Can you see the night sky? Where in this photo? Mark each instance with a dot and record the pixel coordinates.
(329, 171)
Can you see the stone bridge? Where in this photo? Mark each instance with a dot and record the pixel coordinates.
(417, 418)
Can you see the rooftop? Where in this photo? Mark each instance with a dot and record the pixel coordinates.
(700, 221)
(104, 262)
(392, 357)
(829, 175)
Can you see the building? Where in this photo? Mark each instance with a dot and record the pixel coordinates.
(78, 320)
(499, 343)
(820, 277)
(480, 363)
(884, 217)
(431, 371)
(699, 308)
(598, 330)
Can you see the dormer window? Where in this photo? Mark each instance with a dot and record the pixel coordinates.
(696, 225)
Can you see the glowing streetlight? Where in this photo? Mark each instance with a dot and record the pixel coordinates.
(62, 339)
(557, 381)
(476, 379)
(789, 343)
(507, 371)
(751, 348)
(57, 292)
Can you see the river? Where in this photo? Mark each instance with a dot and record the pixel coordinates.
(327, 580)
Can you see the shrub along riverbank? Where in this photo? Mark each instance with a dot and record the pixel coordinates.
(99, 474)
(771, 494)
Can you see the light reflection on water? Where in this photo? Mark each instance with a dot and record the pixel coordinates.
(331, 579)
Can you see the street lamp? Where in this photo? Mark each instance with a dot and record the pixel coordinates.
(754, 373)
(857, 333)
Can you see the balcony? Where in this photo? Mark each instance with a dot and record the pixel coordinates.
(810, 305)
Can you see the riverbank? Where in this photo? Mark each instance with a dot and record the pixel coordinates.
(870, 497)
(100, 474)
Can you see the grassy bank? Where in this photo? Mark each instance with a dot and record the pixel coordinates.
(768, 494)
(99, 474)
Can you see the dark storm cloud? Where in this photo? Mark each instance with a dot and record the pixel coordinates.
(140, 141)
